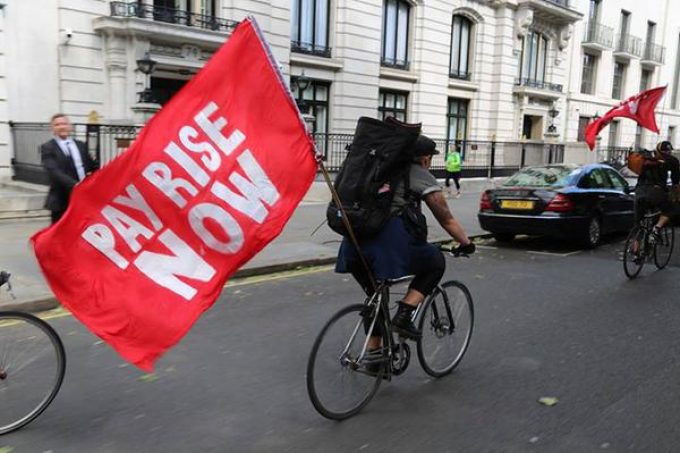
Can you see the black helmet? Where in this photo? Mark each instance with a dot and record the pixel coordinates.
(665, 146)
(425, 146)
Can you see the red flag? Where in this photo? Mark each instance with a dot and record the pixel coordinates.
(639, 108)
(148, 242)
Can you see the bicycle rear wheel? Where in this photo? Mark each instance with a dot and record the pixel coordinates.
(446, 322)
(633, 256)
(32, 365)
(339, 385)
(663, 248)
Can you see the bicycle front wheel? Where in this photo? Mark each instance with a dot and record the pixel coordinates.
(338, 383)
(32, 365)
(663, 247)
(446, 323)
(633, 256)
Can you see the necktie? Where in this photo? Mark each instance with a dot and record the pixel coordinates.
(69, 152)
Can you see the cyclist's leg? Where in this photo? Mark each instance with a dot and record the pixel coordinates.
(428, 265)
(360, 274)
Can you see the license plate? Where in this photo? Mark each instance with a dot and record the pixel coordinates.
(517, 204)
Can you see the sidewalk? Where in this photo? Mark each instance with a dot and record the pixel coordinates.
(306, 240)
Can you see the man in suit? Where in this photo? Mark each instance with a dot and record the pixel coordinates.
(66, 161)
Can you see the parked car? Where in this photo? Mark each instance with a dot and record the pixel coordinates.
(565, 201)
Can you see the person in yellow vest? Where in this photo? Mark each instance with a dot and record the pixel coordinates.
(453, 169)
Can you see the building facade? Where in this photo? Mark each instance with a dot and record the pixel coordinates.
(485, 70)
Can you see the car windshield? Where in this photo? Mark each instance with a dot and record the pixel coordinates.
(542, 177)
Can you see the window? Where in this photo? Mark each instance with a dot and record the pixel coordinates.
(309, 22)
(588, 75)
(596, 179)
(614, 133)
(625, 22)
(395, 34)
(392, 103)
(617, 86)
(638, 136)
(671, 133)
(582, 123)
(460, 48)
(651, 32)
(314, 100)
(645, 78)
(676, 77)
(616, 180)
(534, 49)
(456, 119)
(594, 12)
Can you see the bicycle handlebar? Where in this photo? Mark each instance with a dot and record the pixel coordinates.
(459, 251)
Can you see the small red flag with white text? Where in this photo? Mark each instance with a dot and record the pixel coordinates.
(148, 242)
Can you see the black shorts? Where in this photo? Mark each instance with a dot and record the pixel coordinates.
(652, 198)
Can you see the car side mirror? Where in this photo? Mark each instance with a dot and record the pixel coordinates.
(628, 190)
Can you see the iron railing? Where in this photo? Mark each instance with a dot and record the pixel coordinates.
(395, 63)
(629, 44)
(310, 48)
(654, 52)
(172, 16)
(599, 34)
(532, 83)
(563, 3)
(461, 75)
(105, 142)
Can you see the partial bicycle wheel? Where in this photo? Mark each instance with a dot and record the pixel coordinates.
(446, 322)
(32, 365)
(633, 256)
(663, 247)
(339, 385)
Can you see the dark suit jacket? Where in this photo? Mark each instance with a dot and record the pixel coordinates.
(62, 172)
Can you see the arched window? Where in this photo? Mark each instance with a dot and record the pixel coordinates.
(461, 31)
(534, 52)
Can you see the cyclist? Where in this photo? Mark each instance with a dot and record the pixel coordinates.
(396, 252)
(652, 186)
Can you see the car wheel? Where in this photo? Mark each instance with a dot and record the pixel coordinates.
(503, 237)
(593, 233)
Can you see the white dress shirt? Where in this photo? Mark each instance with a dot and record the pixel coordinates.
(70, 149)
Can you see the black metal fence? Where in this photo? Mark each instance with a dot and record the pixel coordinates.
(105, 142)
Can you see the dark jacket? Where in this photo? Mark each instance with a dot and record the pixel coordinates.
(62, 172)
(655, 172)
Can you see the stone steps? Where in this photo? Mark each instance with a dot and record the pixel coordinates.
(20, 200)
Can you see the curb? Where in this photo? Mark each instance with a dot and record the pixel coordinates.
(45, 303)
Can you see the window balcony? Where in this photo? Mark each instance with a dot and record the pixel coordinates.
(653, 54)
(558, 12)
(598, 37)
(537, 89)
(628, 46)
(460, 75)
(395, 63)
(540, 84)
(310, 49)
(171, 16)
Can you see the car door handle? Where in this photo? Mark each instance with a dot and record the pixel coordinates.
(601, 197)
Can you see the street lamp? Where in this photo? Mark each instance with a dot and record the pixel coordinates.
(302, 82)
(146, 66)
(553, 112)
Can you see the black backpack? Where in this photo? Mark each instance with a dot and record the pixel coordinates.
(379, 158)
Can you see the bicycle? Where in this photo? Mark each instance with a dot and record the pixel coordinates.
(641, 247)
(342, 376)
(32, 366)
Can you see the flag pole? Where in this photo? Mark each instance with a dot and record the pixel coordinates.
(345, 220)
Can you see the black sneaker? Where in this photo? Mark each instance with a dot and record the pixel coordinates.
(402, 324)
